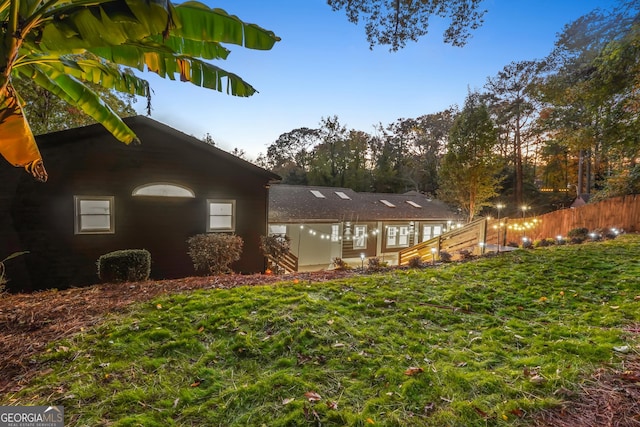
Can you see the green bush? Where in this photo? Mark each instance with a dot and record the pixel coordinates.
(580, 232)
(129, 265)
(376, 264)
(275, 247)
(544, 242)
(340, 264)
(445, 256)
(213, 253)
(416, 262)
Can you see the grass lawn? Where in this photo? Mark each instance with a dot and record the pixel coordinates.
(488, 342)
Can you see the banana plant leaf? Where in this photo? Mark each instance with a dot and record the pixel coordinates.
(74, 92)
(18, 145)
(55, 38)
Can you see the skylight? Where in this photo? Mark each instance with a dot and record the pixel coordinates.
(318, 194)
(342, 195)
(414, 204)
(387, 203)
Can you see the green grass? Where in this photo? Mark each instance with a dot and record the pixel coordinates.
(479, 332)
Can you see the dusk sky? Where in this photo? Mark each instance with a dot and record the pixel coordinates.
(323, 67)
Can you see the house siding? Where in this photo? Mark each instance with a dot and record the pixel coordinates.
(90, 162)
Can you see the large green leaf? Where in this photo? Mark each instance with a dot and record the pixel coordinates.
(172, 41)
(162, 61)
(196, 21)
(83, 24)
(90, 68)
(75, 93)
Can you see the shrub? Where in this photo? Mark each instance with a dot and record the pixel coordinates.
(213, 253)
(544, 243)
(527, 244)
(465, 254)
(445, 256)
(375, 264)
(580, 232)
(129, 265)
(595, 236)
(275, 247)
(416, 262)
(340, 264)
(609, 233)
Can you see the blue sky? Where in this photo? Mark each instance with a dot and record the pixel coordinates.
(323, 67)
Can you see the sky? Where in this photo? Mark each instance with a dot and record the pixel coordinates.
(323, 67)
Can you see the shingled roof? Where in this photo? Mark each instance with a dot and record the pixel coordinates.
(295, 203)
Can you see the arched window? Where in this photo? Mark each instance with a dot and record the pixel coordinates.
(163, 190)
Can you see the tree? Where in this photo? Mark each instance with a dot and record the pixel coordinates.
(513, 108)
(394, 22)
(328, 163)
(290, 154)
(418, 145)
(63, 45)
(468, 175)
(590, 93)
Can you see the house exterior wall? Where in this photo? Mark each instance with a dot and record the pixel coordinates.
(90, 162)
(312, 243)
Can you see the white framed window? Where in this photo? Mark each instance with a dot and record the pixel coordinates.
(163, 189)
(431, 231)
(335, 232)
(397, 236)
(94, 214)
(360, 237)
(403, 236)
(392, 236)
(427, 232)
(277, 230)
(221, 215)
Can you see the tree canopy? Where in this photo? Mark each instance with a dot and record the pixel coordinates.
(64, 46)
(395, 22)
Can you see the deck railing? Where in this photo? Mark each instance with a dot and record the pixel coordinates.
(467, 238)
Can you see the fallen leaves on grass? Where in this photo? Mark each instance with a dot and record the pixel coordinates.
(29, 322)
(606, 399)
(312, 396)
(413, 370)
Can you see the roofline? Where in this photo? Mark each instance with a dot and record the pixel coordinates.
(97, 129)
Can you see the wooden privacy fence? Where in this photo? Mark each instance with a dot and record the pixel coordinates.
(622, 213)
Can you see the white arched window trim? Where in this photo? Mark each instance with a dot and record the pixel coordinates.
(163, 189)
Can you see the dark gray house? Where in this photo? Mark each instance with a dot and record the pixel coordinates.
(103, 195)
(324, 223)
